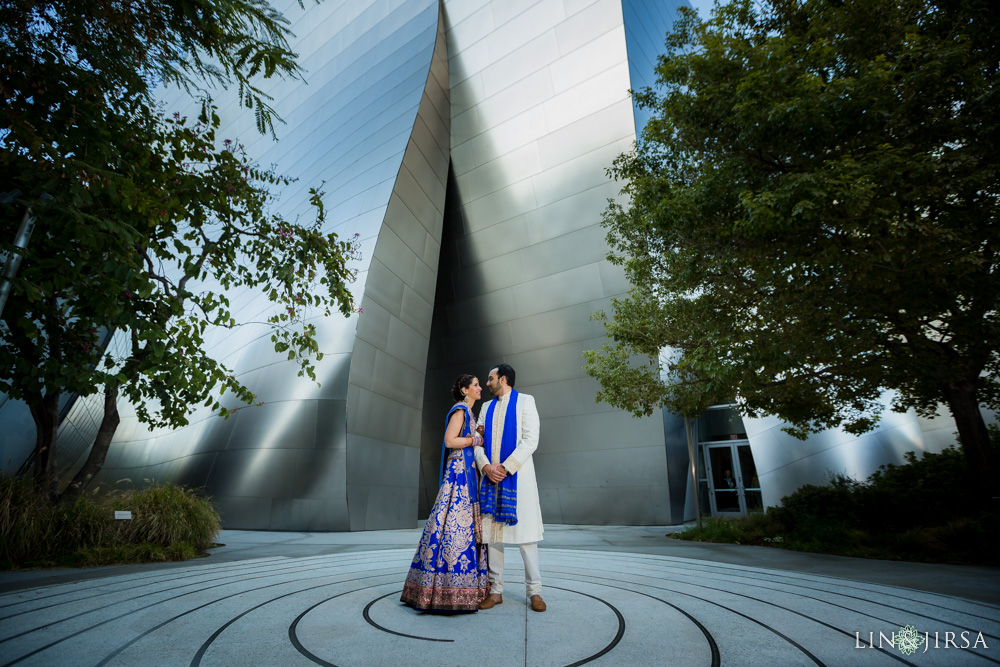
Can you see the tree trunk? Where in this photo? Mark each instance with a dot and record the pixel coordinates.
(975, 438)
(45, 412)
(99, 450)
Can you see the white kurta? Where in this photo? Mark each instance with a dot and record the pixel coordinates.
(529, 512)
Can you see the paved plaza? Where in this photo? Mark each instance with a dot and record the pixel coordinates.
(616, 596)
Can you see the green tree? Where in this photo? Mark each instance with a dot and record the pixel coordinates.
(811, 218)
(145, 222)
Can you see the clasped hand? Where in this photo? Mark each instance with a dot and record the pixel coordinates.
(495, 473)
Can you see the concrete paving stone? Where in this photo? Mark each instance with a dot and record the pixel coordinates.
(617, 595)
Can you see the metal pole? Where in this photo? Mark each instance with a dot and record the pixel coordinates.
(694, 470)
(13, 262)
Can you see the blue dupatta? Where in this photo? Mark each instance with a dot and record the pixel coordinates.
(467, 452)
(500, 500)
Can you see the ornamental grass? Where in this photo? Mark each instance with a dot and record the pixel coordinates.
(168, 522)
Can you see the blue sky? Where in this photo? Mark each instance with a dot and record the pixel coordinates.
(704, 7)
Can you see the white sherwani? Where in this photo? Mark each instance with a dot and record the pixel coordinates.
(529, 512)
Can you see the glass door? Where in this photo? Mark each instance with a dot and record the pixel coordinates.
(732, 479)
(724, 493)
(748, 481)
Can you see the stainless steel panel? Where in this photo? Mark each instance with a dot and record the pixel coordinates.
(469, 23)
(550, 364)
(408, 344)
(308, 512)
(466, 93)
(193, 470)
(614, 467)
(496, 273)
(418, 201)
(678, 467)
(321, 474)
(383, 419)
(391, 506)
(508, 11)
(559, 290)
(372, 465)
(274, 426)
(613, 279)
(384, 287)
(399, 382)
(486, 309)
(255, 473)
(522, 28)
(566, 215)
(588, 97)
(596, 431)
(373, 326)
(548, 498)
(499, 239)
(19, 434)
(415, 310)
(572, 176)
(523, 118)
(486, 179)
(466, 347)
(565, 398)
(579, 248)
(551, 328)
(580, 64)
(603, 505)
(515, 66)
(331, 425)
(246, 512)
(604, 126)
(590, 23)
(434, 158)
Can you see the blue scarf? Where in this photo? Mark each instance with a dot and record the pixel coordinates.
(467, 453)
(500, 500)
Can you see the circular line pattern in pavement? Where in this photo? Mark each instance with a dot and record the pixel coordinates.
(618, 636)
(393, 632)
(618, 608)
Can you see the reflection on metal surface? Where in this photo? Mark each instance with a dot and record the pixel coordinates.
(540, 108)
(771, 464)
(373, 123)
(466, 144)
(529, 102)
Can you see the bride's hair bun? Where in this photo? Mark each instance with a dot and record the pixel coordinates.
(464, 381)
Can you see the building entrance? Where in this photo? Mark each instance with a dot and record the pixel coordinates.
(727, 476)
(733, 487)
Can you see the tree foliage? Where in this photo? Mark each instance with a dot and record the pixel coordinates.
(811, 218)
(146, 222)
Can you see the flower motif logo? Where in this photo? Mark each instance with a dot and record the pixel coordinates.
(908, 640)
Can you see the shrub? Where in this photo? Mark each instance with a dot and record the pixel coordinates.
(923, 510)
(922, 492)
(169, 523)
(817, 510)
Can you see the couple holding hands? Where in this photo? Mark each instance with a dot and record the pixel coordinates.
(459, 565)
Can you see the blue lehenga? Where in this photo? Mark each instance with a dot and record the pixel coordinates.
(449, 571)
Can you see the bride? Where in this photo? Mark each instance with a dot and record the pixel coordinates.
(449, 570)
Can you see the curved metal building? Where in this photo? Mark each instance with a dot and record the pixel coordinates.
(465, 143)
(341, 454)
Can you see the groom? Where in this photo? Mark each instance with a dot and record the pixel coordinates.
(509, 495)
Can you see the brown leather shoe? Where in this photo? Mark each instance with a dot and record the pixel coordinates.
(492, 600)
(537, 603)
